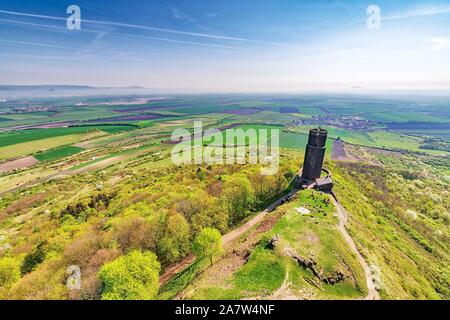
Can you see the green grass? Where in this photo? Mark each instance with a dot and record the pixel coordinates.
(58, 153)
(269, 117)
(387, 238)
(375, 138)
(398, 116)
(290, 140)
(315, 234)
(32, 147)
(262, 274)
(115, 128)
(310, 110)
(170, 289)
(15, 137)
(443, 133)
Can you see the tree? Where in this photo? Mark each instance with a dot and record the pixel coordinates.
(208, 244)
(134, 232)
(175, 242)
(9, 271)
(237, 197)
(134, 276)
(33, 259)
(202, 210)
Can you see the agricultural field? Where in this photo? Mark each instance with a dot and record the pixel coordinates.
(58, 153)
(390, 117)
(32, 147)
(92, 184)
(390, 140)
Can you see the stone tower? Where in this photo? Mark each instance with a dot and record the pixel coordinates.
(315, 153)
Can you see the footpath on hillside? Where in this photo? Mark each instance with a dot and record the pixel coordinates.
(343, 217)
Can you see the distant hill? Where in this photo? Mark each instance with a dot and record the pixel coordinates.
(30, 91)
(44, 87)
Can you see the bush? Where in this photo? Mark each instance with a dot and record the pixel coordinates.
(45, 283)
(81, 250)
(175, 244)
(237, 198)
(134, 276)
(31, 261)
(135, 233)
(208, 244)
(9, 271)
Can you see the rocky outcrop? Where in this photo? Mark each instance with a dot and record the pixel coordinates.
(273, 242)
(334, 278)
(311, 264)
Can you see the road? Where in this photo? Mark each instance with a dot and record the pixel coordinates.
(343, 217)
(234, 234)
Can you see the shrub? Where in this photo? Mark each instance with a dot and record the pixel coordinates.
(81, 250)
(208, 244)
(135, 233)
(45, 283)
(134, 276)
(35, 257)
(9, 271)
(175, 242)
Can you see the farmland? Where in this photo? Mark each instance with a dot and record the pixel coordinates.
(93, 180)
(58, 153)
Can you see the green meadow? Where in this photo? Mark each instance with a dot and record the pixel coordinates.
(15, 137)
(57, 153)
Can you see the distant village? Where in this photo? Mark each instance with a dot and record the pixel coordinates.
(26, 107)
(344, 122)
(31, 108)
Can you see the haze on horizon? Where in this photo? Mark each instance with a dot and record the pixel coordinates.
(228, 45)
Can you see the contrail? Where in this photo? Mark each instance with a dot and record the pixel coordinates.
(127, 25)
(41, 25)
(176, 41)
(193, 43)
(35, 44)
(148, 28)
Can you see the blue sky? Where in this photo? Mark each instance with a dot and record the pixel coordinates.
(227, 45)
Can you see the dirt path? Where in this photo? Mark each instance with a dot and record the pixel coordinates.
(343, 217)
(284, 292)
(227, 239)
(234, 234)
(338, 151)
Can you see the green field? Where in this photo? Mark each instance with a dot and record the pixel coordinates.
(395, 116)
(289, 140)
(443, 134)
(58, 153)
(391, 140)
(32, 147)
(15, 137)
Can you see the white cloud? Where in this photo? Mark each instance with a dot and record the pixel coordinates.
(440, 43)
(180, 15)
(431, 10)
